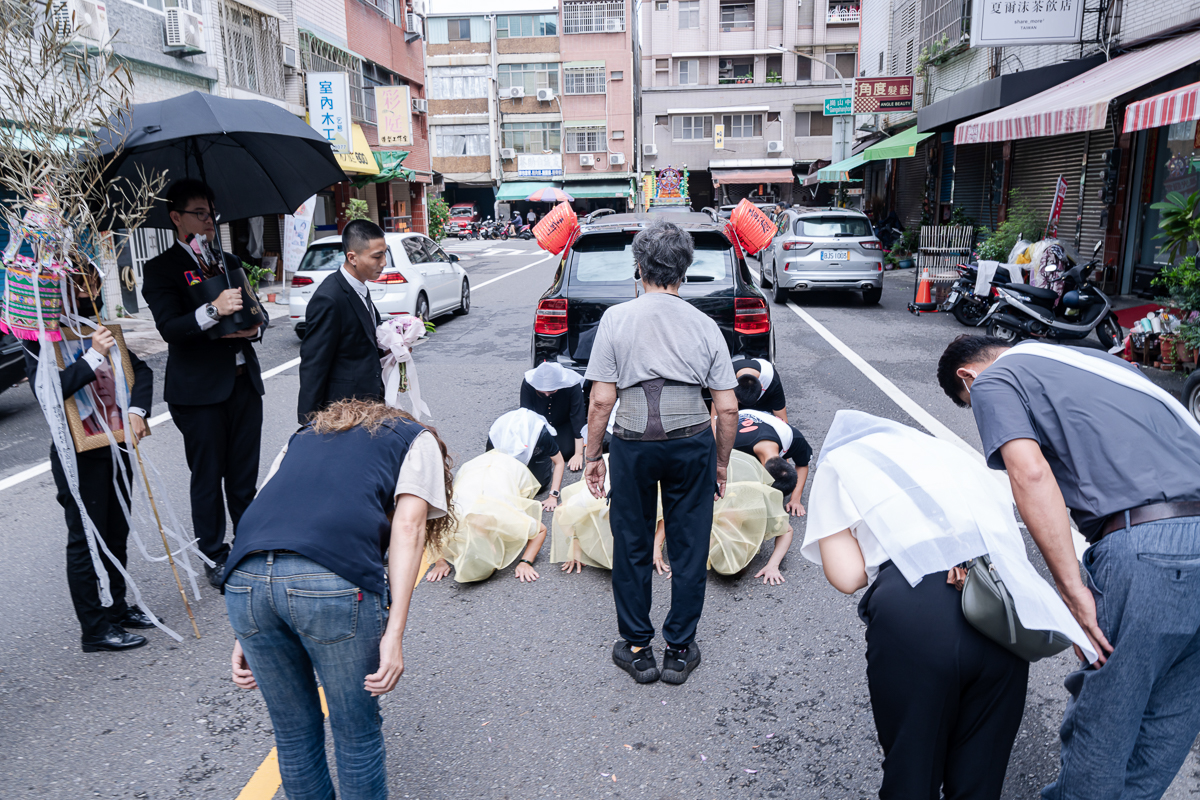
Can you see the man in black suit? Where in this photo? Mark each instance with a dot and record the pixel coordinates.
(213, 387)
(339, 357)
(102, 628)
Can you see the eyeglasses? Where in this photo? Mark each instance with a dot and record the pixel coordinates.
(202, 216)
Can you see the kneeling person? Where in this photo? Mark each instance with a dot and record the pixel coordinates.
(529, 438)
(759, 386)
(773, 442)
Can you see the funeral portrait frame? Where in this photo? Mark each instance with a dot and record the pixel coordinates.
(82, 439)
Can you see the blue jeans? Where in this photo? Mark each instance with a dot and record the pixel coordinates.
(292, 617)
(1129, 725)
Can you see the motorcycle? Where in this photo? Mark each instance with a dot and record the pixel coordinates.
(1070, 311)
(962, 301)
(524, 232)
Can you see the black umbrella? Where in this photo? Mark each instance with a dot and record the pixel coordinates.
(258, 158)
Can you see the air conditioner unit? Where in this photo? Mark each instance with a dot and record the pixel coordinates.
(515, 92)
(545, 95)
(185, 32)
(412, 23)
(774, 147)
(290, 59)
(507, 153)
(91, 19)
(614, 25)
(587, 160)
(616, 159)
(420, 105)
(649, 149)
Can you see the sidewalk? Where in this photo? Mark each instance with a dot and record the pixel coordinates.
(143, 338)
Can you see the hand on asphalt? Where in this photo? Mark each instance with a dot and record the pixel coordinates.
(549, 504)
(576, 462)
(770, 575)
(572, 565)
(525, 573)
(795, 508)
(660, 563)
(438, 571)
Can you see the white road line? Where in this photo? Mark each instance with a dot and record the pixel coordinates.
(44, 467)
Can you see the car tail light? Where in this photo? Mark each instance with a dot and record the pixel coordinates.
(390, 277)
(796, 245)
(551, 317)
(750, 315)
(871, 244)
(300, 280)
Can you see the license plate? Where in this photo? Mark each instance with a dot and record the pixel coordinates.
(952, 297)
(835, 255)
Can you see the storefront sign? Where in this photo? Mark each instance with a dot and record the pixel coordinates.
(1060, 197)
(1026, 22)
(837, 106)
(545, 165)
(329, 108)
(296, 228)
(394, 109)
(718, 137)
(881, 95)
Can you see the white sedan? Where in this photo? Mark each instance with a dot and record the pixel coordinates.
(420, 278)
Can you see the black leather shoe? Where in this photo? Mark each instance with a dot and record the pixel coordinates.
(135, 618)
(216, 576)
(116, 639)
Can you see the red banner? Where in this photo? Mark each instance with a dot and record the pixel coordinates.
(1060, 197)
(883, 95)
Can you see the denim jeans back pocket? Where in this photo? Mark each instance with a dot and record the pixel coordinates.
(238, 604)
(324, 616)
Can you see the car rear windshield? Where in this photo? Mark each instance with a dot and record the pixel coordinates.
(322, 258)
(833, 226)
(462, 212)
(609, 259)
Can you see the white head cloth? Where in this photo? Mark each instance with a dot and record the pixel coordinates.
(550, 377)
(929, 506)
(516, 433)
(781, 428)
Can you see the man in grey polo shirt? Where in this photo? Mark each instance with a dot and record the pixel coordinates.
(1081, 430)
(656, 353)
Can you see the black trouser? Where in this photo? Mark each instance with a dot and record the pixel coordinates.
(99, 495)
(686, 470)
(947, 700)
(221, 442)
(565, 440)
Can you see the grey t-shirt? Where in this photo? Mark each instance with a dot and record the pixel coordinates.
(660, 335)
(1110, 447)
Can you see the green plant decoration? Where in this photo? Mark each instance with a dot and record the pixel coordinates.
(254, 275)
(1023, 220)
(1177, 222)
(438, 212)
(357, 209)
(774, 77)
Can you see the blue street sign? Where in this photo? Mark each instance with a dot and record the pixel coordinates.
(837, 106)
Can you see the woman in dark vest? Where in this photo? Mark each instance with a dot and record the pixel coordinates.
(307, 587)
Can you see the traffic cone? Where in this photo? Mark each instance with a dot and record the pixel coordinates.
(923, 293)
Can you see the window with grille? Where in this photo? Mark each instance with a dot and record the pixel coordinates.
(531, 77)
(385, 7)
(693, 128)
(512, 27)
(845, 63)
(593, 17)
(320, 56)
(532, 137)
(662, 64)
(460, 140)
(735, 16)
(813, 123)
(586, 140)
(742, 126)
(458, 83)
(940, 18)
(583, 81)
(157, 5)
(689, 15)
(253, 56)
(458, 30)
(689, 71)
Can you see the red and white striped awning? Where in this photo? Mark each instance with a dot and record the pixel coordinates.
(1178, 105)
(1080, 104)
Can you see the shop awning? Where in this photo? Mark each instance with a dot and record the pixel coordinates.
(519, 190)
(1080, 104)
(750, 176)
(390, 163)
(599, 189)
(359, 161)
(902, 145)
(1179, 105)
(836, 173)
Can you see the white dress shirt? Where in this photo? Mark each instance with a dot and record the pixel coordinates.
(202, 318)
(361, 289)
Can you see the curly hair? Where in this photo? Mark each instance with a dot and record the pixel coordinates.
(373, 416)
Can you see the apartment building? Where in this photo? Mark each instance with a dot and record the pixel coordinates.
(524, 95)
(784, 60)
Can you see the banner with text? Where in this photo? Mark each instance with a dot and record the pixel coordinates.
(1026, 22)
(883, 95)
(329, 108)
(393, 106)
(544, 165)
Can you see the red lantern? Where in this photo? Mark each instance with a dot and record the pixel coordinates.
(555, 230)
(753, 228)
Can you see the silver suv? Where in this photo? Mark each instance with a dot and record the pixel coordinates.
(823, 248)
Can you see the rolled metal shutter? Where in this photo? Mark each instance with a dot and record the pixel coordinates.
(1092, 229)
(910, 185)
(1037, 163)
(970, 177)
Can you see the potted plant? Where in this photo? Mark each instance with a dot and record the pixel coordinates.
(254, 276)
(774, 77)
(1179, 284)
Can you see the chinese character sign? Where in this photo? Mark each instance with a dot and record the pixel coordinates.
(883, 95)
(329, 108)
(394, 109)
(1026, 22)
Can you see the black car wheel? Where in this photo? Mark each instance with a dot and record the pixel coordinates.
(970, 311)
(422, 307)
(779, 294)
(1191, 394)
(762, 275)
(464, 303)
(871, 297)
(1109, 332)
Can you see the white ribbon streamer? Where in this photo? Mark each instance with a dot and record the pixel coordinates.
(397, 336)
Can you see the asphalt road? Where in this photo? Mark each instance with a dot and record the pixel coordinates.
(509, 691)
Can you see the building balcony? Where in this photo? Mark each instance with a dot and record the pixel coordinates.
(843, 15)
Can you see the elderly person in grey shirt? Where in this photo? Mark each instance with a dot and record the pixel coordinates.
(655, 354)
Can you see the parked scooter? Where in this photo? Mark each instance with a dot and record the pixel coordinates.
(969, 308)
(523, 232)
(1071, 311)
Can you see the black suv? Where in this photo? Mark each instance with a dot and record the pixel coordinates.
(598, 273)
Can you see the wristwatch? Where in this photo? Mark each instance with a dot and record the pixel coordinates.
(555, 493)
(525, 561)
(212, 312)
